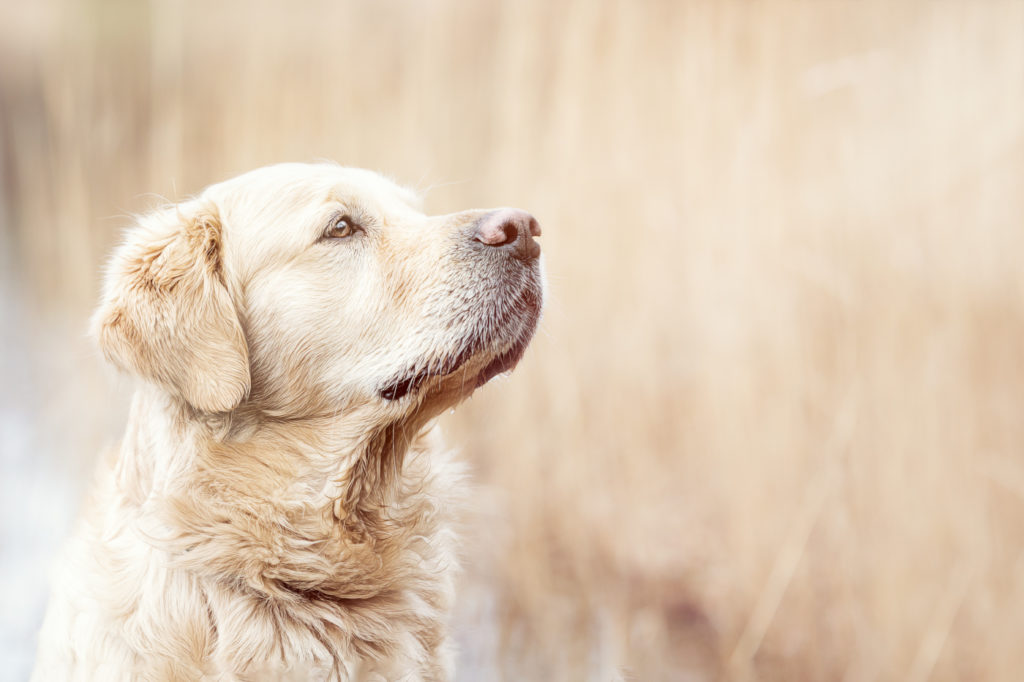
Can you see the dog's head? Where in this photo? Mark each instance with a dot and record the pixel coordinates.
(309, 288)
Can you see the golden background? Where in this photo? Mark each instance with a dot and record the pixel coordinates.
(772, 427)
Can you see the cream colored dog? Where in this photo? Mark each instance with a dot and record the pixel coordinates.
(278, 508)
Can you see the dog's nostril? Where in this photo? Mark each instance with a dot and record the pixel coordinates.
(511, 234)
(510, 228)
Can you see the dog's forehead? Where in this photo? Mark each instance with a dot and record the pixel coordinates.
(297, 186)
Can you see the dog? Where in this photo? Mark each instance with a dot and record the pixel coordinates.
(280, 507)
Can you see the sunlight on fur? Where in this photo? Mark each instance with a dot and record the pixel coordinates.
(276, 509)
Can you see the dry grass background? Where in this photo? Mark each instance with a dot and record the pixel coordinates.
(773, 425)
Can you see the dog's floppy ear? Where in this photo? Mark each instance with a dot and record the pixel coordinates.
(166, 314)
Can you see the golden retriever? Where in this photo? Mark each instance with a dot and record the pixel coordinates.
(279, 507)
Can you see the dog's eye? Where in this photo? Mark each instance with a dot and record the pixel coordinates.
(340, 228)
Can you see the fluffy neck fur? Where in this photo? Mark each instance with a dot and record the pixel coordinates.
(310, 542)
(286, 508)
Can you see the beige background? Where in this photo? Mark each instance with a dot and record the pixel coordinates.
(773, 424)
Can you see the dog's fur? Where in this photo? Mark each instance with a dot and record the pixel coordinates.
(279, 508)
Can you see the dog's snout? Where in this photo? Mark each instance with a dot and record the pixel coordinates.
(510, 229)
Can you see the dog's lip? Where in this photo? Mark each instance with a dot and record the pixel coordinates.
(412, 381)
(507, 361)
(500, 362)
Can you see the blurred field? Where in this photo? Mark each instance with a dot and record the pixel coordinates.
(773, 425)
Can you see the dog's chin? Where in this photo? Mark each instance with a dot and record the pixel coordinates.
(507, 360)
(457, 375)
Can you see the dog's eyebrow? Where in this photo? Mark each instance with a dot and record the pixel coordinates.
(334, 197)
(345, 205)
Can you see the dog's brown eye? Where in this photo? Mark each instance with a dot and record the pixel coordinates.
(341, 227)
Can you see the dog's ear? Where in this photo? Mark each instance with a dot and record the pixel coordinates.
(166, 314)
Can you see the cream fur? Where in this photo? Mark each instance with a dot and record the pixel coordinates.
(280, 507)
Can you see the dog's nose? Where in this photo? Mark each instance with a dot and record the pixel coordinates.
(512, 230)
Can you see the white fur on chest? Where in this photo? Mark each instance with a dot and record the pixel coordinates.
(124, 607)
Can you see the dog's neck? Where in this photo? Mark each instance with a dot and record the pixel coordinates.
(251, 483)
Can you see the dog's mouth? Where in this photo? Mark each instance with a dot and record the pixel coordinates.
(476, 358)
